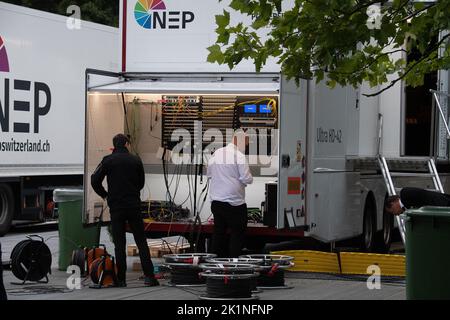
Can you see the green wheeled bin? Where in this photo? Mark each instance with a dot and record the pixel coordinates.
(428, 253)
(73, 233)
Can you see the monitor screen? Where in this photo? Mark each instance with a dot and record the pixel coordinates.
(264, 108)
(250, 108)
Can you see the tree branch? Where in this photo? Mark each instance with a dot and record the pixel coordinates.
(424, 57)
(414, 14)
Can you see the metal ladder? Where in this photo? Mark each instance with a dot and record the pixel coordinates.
(387, 175)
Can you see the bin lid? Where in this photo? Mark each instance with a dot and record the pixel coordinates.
(66, 195)
(429, 211)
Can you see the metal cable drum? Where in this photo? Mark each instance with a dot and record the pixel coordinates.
(229, 281)
(256, 262)
(79, 259)
(272, 270)
(185, 269)
(31, 260)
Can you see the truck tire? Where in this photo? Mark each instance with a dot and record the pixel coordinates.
(6, 208)
(384, 237)
(369, 226)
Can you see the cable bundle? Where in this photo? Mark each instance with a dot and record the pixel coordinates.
(229, 280)
(272, 270)
(163, 211)
(185, 269)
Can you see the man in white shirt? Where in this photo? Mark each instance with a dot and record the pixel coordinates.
(229, 174)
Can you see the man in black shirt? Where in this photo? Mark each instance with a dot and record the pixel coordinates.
(415, 198)
(125, 178)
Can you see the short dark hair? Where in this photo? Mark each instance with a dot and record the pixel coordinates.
(389, 201)
(120, 140)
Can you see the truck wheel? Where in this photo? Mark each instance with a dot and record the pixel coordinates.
(369, 226)
(384, 237)
(6, 208)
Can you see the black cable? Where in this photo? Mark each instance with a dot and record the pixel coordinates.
(269, 278)
(188, 171)
(228, 288)
(165, 175)
(189, 193)
(182, 275)
(125, 112)
(38, 290)
(192, 290)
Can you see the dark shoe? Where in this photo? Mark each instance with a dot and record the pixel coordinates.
(120, 284)
(151, 282)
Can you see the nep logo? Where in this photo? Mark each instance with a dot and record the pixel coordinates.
(152, 14)
(4, 65)
(12, 87)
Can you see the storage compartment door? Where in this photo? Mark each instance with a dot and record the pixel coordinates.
(292, 157)
(443, 97)
(104, 119)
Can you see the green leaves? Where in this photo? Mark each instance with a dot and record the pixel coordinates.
(223, 20)
(330, 39)
(215, 54)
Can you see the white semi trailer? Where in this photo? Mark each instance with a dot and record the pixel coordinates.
(43, 58)
(321, 177)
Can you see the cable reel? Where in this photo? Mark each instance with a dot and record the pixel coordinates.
(256, 262)
(229, 281)
(272, 270)
(185, 269)
(84, 257)
(31, 260)
(79, 259)
(102, 270)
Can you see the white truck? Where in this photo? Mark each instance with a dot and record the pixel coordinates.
(328, 149)
(43, 58)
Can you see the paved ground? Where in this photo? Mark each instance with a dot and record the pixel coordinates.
(303, 286)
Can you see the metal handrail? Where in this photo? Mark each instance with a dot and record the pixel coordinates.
(391, 191)
(436, 179)
(435, 95)
(380, 133)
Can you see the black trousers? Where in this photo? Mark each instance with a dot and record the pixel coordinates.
(119, 219)
(233, 218)
(2, 286)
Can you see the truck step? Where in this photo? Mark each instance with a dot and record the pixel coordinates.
(411, 175)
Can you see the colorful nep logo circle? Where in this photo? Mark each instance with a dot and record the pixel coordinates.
(143, 11)
(4, 65)
(152, 14)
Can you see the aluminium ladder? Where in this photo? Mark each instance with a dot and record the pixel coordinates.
(387, 176)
